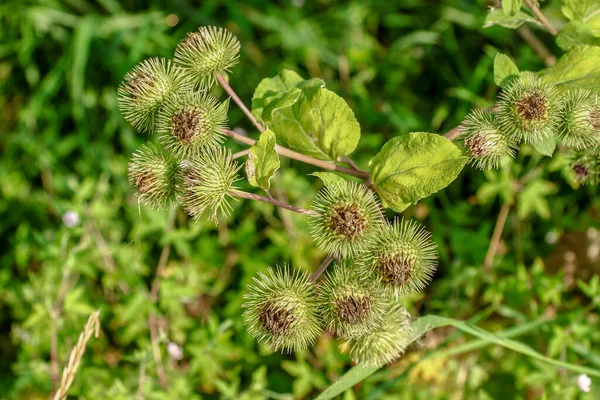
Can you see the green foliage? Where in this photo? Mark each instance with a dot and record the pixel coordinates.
(402, 67)
(263, 161)
(280, 91)
(504, 69)
(577, 68)
(511, 7)
(319, 124)
(411, 167)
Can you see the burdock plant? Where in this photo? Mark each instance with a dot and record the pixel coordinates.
(191, 122)
(528, 109)
(281, 310)
(156, 177)
(486, 142)
(579, 126)
(402, 257)
(347, 218)
(351, 303)
(209, 52)
(379, 263)
(146, 87)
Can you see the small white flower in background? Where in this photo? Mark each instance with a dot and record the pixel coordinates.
(175, 351)
(584, 382)
(70, 219)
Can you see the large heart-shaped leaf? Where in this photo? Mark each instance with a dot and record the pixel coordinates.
(411, 167)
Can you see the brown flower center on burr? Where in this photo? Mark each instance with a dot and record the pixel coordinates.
(348, 221)
(353, 309)
(186, 124)
(275, 319)
(581, 171)
(144, 181)
(477, 146)
(533, 106)
(136, 86)
(594, 119)
(396, 269)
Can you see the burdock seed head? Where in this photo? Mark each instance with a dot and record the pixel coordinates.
(208, 52)
(403, 257)
(281, 310)
(487, 144)
(528, 109)
(191, 122)
(156, 176)
(351, 303)
(145, 88)
(348, 216)
(207, 181)
(383, 344)
(579, 126)
(584, 166)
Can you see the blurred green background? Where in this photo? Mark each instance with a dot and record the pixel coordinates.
(74, 240)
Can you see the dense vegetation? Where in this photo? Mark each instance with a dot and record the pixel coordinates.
(75, 240)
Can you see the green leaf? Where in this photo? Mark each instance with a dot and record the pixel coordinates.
(320, 124)
(574, 33)
(511, 7)
(577, 68)
(532, 199)
(546, 147)
(498, 17)
(428, 323)
(504, 69)
(280, 91)
(413, 166)
(262, 161)
(329, 178)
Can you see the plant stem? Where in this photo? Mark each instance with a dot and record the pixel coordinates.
(240, 154)
(496, 236)
(239, 102)
(533, 6)
(537, 45)
(278, 203)
(152, 320)
(301, 157)
(321, 269)
(454, 133)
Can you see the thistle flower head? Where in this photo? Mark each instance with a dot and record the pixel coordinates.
(208, 52)
(486, 142)
(191, 122)
(351, 303)
(155, 175)
(584, 166)
(145, 88)
(579, 125)
(207, 182)
(403, 257)
(528, 109)
(281, 310)
(348, 216)
(383, 344)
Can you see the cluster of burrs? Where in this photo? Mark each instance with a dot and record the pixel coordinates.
(533, 111)
(187, 163)
(377, 264)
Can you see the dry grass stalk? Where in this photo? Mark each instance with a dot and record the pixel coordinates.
(91, 327)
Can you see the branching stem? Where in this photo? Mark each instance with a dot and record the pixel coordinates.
(239, 102)
(275, 202)
(301, 157)
(321, 269)
(535, 9)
